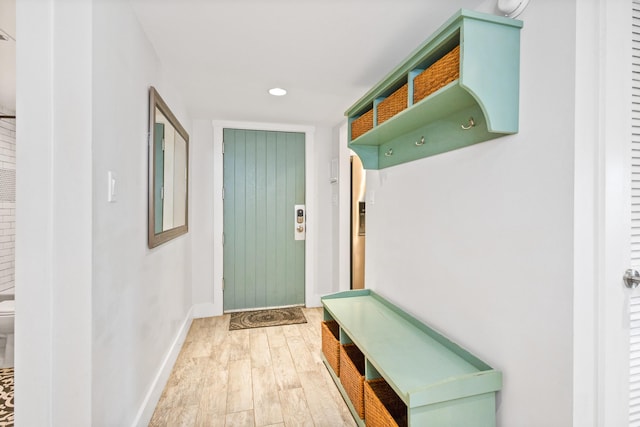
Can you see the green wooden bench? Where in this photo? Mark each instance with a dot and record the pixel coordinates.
(441, 383)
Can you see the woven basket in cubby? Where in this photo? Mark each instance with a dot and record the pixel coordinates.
(331, 344)
(439, 74)
(393, 104)
(362, 125)
(382, 406)
(352, 375)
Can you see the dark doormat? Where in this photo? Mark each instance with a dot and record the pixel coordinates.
(264, 318)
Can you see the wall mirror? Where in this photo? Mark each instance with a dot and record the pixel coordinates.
(168, 173)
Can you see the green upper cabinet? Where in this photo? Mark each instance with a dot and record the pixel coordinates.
(478, 103)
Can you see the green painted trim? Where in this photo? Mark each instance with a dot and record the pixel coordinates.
(476, 411)
(412, 75)
(458, 388)
(497, 49)
(368, 155)
(347, 294)
(376, 102)
(496, 19)
(370, 371)
(344, 337)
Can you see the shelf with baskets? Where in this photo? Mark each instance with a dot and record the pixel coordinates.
(460, 87)
(394, 370)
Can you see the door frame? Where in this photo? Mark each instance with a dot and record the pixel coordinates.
(312, 299)
(601, 212)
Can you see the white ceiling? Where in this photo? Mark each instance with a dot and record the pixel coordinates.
(225, 54)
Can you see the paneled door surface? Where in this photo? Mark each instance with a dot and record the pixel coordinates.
(264, 179)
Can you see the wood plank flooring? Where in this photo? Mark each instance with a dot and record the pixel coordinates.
(252, 377)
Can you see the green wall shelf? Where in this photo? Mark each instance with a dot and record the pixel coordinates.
(441, 383)
(486, 91)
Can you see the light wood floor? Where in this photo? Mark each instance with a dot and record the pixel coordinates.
(253, 377)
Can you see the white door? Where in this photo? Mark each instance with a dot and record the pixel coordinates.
(603, 213)
(634, 305)
(619, 214)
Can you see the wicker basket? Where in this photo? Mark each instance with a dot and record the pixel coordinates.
(393, 104)
(362, 124)
(352, 375)
(439, 74)
(331, 344)
(382, 406)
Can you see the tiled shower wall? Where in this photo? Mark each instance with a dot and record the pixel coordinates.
(7, 202)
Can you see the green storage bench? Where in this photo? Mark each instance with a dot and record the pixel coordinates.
(436, 382)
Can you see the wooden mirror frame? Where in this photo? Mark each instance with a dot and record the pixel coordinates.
(156, 239)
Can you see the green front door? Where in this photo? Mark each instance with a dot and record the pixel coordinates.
(264, 178)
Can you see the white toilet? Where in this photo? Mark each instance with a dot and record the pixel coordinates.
(7, 316)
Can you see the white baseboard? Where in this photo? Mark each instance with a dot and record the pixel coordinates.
(204, 310)
(313, 301)
(157, 386)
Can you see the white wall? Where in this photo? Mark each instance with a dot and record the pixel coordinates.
(205, 205)
(341, 211)
(141, 297)
(478, 242)
(322, 216)
(53, 230)
(99, 316)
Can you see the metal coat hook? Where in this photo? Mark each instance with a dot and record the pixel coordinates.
(421, 142)
(389, 152)
(471, 124)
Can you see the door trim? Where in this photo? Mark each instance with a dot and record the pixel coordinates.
(602, 127)
(312, 298)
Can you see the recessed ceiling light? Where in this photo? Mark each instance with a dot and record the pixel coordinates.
(277, 91)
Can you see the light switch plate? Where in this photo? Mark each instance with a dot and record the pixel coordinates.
(111, 191)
